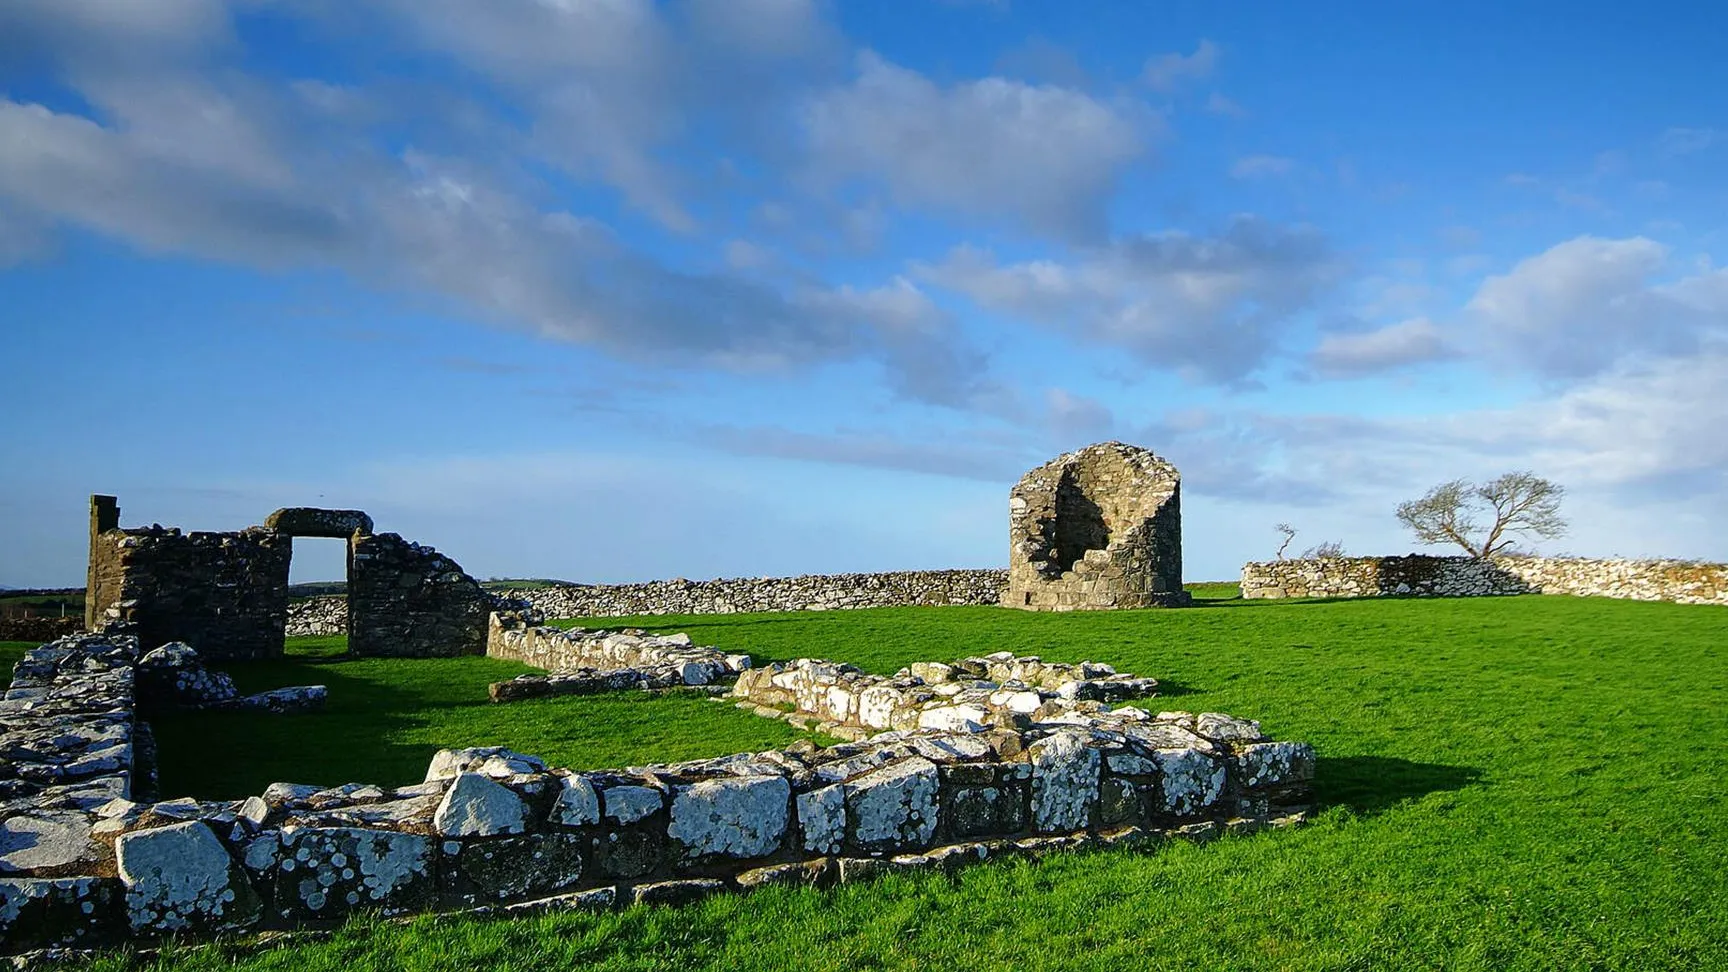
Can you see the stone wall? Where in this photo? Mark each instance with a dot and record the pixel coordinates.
(1094, 529)
(226, 593)
(324, 615)
(969, 695)
(811, 592)
(407, 600)
(1683, 582)
(83, 864)
(584, 662)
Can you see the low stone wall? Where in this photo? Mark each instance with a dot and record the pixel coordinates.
(584, 662)
(495, 830)
(1683, 582)
(38, 628)
(970, 695)
(812, 592)
(321, 616)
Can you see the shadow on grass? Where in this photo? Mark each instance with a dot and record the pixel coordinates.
(1372, 784)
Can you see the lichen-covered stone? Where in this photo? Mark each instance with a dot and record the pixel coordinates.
(1064, 782)
(50, 912)
(628, 804)
(182, 877)
(1192, 780)
(496, 762)
(326, 872)
(742, 817)
(577, 803)
(1274, 763)
(893, 807)
(822, 819)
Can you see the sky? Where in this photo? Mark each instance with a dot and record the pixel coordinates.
(614, 290)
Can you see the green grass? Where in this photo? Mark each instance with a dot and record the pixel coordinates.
(1507, 783)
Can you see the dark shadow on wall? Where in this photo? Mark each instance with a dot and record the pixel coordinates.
(1373, 784)
(1417, 573)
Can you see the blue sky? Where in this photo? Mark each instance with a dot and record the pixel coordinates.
(613, 290)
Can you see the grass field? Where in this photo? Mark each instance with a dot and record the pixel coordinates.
(1507, 783)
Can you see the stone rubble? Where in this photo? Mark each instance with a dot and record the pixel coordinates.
(492, 828)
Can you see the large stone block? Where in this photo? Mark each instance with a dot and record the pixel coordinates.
(893, 807)
(181, 877)
(323, 873)
(739, 817)
(1064, 782)
(532, 865)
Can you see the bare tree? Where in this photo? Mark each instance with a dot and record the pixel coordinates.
(1515, 503)
(1329, 548)
(1289, 533)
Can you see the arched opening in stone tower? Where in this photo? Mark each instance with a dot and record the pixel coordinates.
(1080, 524)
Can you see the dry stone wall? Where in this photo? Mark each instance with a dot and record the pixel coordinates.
(810, 592)
(1683, 582)
(324, 615)
(583, 662)
(84, 863)
(407, 600)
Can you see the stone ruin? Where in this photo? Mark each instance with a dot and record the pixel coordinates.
(226, 594)
(1098, 528)
(88, 860)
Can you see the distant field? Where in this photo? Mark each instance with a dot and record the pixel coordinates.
(1507, 784)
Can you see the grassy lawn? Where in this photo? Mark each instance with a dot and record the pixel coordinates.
(1507, 783)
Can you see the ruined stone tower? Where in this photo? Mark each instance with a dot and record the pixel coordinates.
(1096, 529)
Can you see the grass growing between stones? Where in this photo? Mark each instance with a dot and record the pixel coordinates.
(1507, 783)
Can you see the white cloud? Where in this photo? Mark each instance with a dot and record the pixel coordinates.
(1415, 341)
(1685, 141)
(1261, 166)
(1587, 304)
(1218, 104)
(1045, 156)
(1205, 306)
(1166, 72)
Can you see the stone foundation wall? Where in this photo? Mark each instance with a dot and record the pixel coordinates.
(811, 592)
(584, 662)
(82, 864)
(969, 695)
(1683, 582)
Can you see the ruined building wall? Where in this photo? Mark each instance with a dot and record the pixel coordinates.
(226, 593)
(810, 592)
(408, 600)
(1095, 529)
(1683, 582)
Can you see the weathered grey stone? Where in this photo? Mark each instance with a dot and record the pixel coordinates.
(577, 803)
(515, 867)
(893, 807)
(493, 761)
(474, 806)
(46, 842)
(307, 521)
(181, 877)
(675, 892)
(822, 818)
(628, 804)
(326, 872)
(1064, 782)
(742, 817)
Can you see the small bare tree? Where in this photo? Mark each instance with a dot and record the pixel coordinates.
(1517, 502)
(1329, 548)
(1289, 533)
